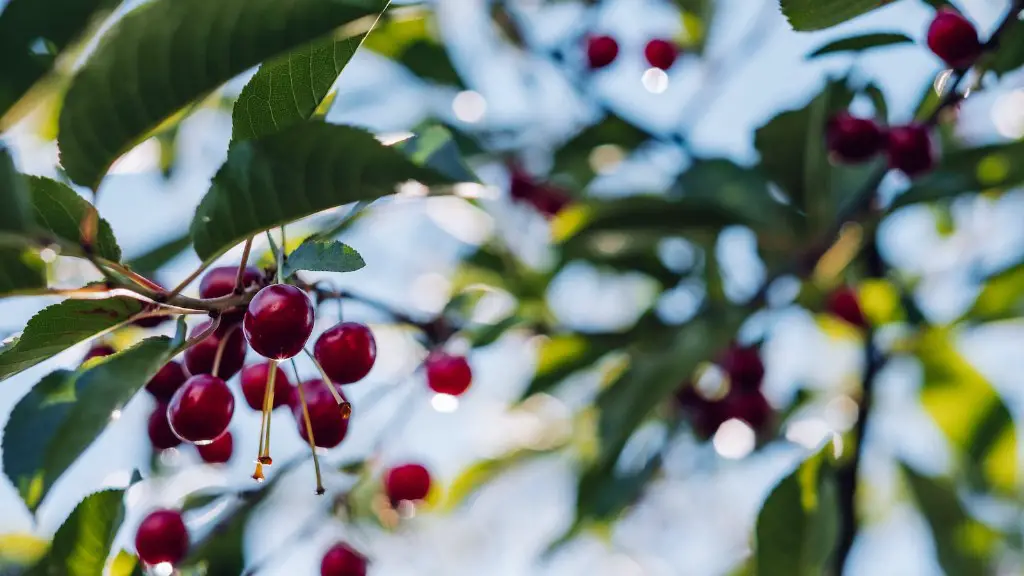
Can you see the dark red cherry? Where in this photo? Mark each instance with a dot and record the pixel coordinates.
(661, 53)
(220, 281)
(219, 451)
(343, 560)
(151, 321)
(329, 422)
(749, 406)
(199, 358)
(601, 51)
(546, 199)
(99, 350)
(167, 381)
(279, 321)
(852, 139)
(201, 410)
(843, 303)
(954, 39)
(448, 374)
(160, 434)
(346, 352)
(407, 482)
(162, 537)
(254, 386)
(910, 149)
(744, 366)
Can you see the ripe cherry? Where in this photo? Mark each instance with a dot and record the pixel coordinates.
(661, 53)
(254, 386)
(162, 537)
(448, 374)
(749, 406)
(954, 39)
(200, 357)
(160, 434)
(843, 303)
(545, 198)
(910, 149)
(852, 139)
(346, 352)
(166, 382)
(219, 451)
(601, 51)
(99, 350)
(744, 366)
(201, 410)
(279, 321)
(407, 482)
(150, 321)
(329, 421)
(343, 560)
(220, 281)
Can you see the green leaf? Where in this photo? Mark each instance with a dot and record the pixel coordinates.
(807, 15)
(971, 170)
(16, 216)
(287, 90)
(474, 477)
(323, 256)
(962, 544)
(285, 176)
(82, 543)
(60, 326)
(605, 492)
(125, 564)
(562, 355)
(862, 43)
(572, 160)
(798, 524)
(25, 26)
(22, 271)
(66, 411)
(60, 210)
(407, 36)
(435, 147)
(1001, 297)
(1009, 54)
(167, 53)
(153, 259)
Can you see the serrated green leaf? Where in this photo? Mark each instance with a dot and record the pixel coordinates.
(572, 160)
(60, 326)
(153, 259)
(807, 15)
(82, 543)
(66, 411)
(288, 89)
(167, 53)
(16, 217)
(60, 210)
(798, 523)
(972, 170)
(323, 256)
(291, 174)
(22, 271)
(862, 42)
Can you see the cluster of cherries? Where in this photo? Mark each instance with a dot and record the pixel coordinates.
(909, 148)
(602, 51)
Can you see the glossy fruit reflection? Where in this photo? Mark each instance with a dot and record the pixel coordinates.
(201, 410)
(200, 357)
(279, 321)
(219, 451)
(448, 373)
(254, 386)
(166, 382)
(159, 429)
(329, 421)
(162, 537)
(346, 352)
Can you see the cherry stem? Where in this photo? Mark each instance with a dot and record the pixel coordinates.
(220, 349)
(130, 274)
(241, 266)
(327, 382)
(281, 257)
(203, 335)
(268, 408)
(184, 283)
(309, 431)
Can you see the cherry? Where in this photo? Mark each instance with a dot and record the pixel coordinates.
(343, 560)
(160, 434)
(150, 321)
(166, 382)
(661, 53)
(910, 149)
(601, 51)
(201, 410)
(749, 406)
(548, 200)
(329, 422)
(744, 366)
(279, 321)
(219, 451)
(99, 350)
(852, 139)
(843, 304)
(346, 352)
(448, 374)
(954, 39)
(162, 537)
(254, 386)
(199, 358)
(407, 482)
(220, 281)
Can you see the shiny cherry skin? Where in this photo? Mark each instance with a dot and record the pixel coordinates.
(201, 410)
(346, 352)
(162, 537)
(220, 281)
(661, 53)
(744, 366)
(166, 382)
(954, 38)
(254, 386)
(852, 140)
(910, 149)
(447, 373)
(843, 303)
(343, 560)
(219, 451)
(601, 51)
(407, 482)
(330, 424)
(99, 350)
(279, 321)
(160, 434)
(199, 358)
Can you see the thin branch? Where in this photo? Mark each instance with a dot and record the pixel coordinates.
(239, 287)
(191, 277)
